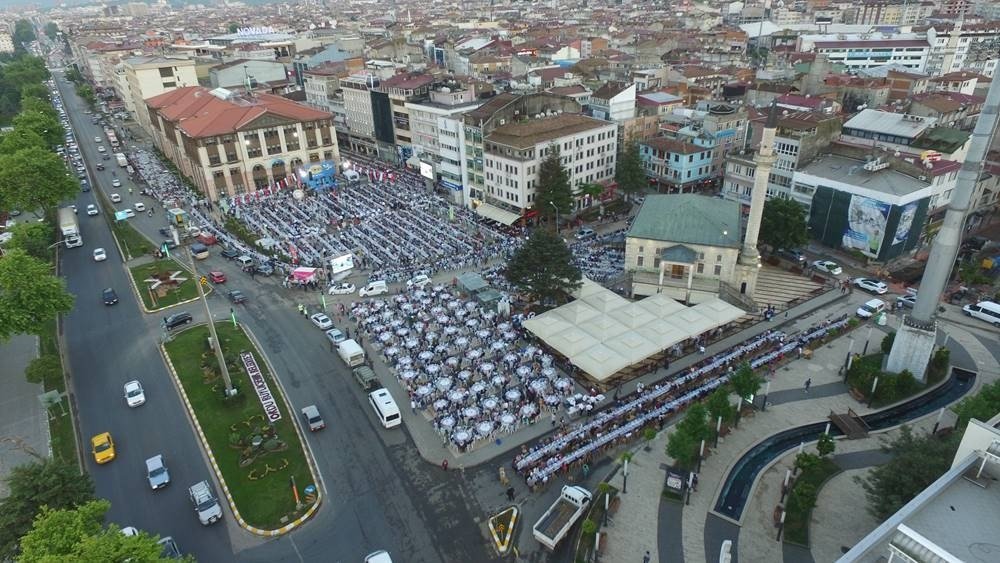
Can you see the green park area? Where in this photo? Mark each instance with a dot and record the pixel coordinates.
(163, 283)
(253, 439)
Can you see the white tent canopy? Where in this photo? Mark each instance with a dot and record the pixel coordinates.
(603, 333)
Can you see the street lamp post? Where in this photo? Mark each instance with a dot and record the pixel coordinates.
(216, 346)
(557, 216)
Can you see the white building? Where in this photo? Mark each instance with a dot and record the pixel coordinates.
(964, 46)
(614, 102)
(867, 50)
(436, 134)
(145, 77)
(358, 103)
(6, 43)
(514, 152)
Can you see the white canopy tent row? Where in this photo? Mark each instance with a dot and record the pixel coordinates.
(602, 333)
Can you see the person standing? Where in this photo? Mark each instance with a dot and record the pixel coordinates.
(808, 384)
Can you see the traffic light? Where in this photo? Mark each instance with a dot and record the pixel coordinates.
(204, 280)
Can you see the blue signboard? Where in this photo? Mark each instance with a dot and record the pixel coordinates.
(319, 175)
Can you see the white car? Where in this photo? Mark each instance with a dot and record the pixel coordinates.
(418, 281)
(335, 336)
(871, 285)
(100, 148)
(91, 210)
(115, 198)
(828, 267)
(128, 213)
(100, 255)
(342, 289)
(116, 183)
(97, 139)
(140, 207)
(134, 396)
(321, 321)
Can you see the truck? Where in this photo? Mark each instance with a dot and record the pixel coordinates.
(555, 524)
(69, 227)
(205, 504)
(351, 352)
(122, 161)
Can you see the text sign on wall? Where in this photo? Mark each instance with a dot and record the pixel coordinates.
(260, 386)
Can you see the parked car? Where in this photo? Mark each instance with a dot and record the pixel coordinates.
(828, 266)
(229, 254)
(311, 414)
(794, 255)
(176, 320)
(906, 301)
(585, 233)
(871, 285)
(418, 281)
(871, 308)
(335, 336)
(217, 277)
(342, 289)
(321, 321)
(100, 166)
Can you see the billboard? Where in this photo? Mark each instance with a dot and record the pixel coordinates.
(341, 263)
(906, 215)
(426, 170)
(866, 221)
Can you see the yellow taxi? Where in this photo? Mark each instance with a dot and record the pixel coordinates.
(103, 447)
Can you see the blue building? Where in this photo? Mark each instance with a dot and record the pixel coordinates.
(676, 166)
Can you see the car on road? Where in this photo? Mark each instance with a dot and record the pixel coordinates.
(205, 504)
(828, 266)
(217, 277)
(115, 198)
(794, 255)
(176, 320)
(129, 531)
(906, 301)
(134, 395)
(229, 254)
(128, 213)
(170, 549)
(100, 166)
(871, 308)
(871, 285)
(84, 185)
(140, 207)
(380, 556)
(342, 289)
(116, 183)
(109, 296)
(311, 414)
(335, 336)
(366, 378)
(156, 472)
(97, 139)
(585, 233)
(418, 281)
(265, 269)
(100, 255)
(103, 447)
(236, 296)
(101, 149)
(92, 209)
(321, 321)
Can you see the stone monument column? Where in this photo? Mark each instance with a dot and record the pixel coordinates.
(749, 262)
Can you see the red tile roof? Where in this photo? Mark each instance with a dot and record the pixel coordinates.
(198, 113)
(407, 81)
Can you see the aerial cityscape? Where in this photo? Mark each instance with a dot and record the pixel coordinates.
(618, 281)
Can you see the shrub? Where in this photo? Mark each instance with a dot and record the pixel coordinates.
(887, 342)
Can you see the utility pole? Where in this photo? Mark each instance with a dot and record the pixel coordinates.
(216, 346)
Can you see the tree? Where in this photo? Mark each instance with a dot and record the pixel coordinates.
(553, 186)
(51, 30)
(25, 69)
(86, 93)
(695, 422)
(718, 405)
(783, 224)
(916, 462)
(683, 448)
(630, 173)
(18, 139)
(543, 268)
(30, 295)
(34, 238)
(233, 26)
(593, 190)
(78, 534)
(24, 32)
(34, 178)
(887, 341)
(982, 406)
(745, 381)
(805, 462)
(46, 125)
(74, 75)
(826, 445)
(39, 92)
(46, 482)
(42, 368)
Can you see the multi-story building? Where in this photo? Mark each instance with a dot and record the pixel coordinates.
(677, 166)
(973, 47)
(400, 89)
(613, 102)
(230, 144)
(905, 132)
(146, 77)
(436, 134)
(238, 72)
(359, 123)
(893, 12)
(867, 50)
(6, 43)
(587, 148)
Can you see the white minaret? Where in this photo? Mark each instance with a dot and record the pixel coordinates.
(764, 161)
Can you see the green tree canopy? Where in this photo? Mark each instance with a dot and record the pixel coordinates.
(34, 238)
(24, 70)
(18, 139)
(695, 423)
(683, 448)
(917, 461)
(982, 406)
(543, 268)
(43, 368)
(78, 534)
(826, 445)
(34, 178)
(51, 30)
(745, 381)
(553, 186)
(45, 124)
(39, 92)
(46, 482)
(86, 93)
(30, 295)
(24, 32)
(783, 224)
(718, 405)
(629, 173)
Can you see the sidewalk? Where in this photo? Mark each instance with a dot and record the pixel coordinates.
(24, 424)
(630, 536)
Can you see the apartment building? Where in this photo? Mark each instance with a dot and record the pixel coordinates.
(436, 134)
(867, 50)
(359, 120)
(146, 77)
(6, 43)
(973, 47)
(230, 144)
(400, 89)
(514, 152)
(676, 166)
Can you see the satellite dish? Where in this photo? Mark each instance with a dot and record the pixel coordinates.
(298, 195)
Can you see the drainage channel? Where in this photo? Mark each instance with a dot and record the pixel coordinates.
(739, 481)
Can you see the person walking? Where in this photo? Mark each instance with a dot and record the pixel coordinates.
(444, 464)
(809, 383)
(511, 494)
(646, 558)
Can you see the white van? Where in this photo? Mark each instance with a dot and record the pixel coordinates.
(985, 311)
(385, 407)
(377, 287)
(871, 308)
(351, 352)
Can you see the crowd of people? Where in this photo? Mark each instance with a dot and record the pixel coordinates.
(602, 258)
(474, 373)
(621, 421)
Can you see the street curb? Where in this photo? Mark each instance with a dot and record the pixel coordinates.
(142, 303)
(192, 417)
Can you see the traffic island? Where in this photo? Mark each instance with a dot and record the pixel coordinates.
(162, 284)
(251, 438)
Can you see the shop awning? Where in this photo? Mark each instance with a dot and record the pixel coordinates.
(494, 213)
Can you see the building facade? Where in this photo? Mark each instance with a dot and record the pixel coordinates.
(146, 77)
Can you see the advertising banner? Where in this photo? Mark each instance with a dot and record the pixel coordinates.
(905, 223)
(260, 386)
(866, 220)
(341, 263)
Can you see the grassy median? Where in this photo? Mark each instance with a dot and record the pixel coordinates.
(257, 459)
(61, 437)
(162, 269)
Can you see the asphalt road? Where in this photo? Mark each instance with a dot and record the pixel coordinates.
(107, 346)
(379, 493)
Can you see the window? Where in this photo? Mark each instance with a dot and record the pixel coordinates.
(638, 261)
(718, 258)
(717, 270)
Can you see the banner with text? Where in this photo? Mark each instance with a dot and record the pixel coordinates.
(260, 386)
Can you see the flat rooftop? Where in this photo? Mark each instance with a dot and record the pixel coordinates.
(851, 171)
(962, 519)
(889, 123)
(533, 131)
